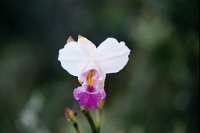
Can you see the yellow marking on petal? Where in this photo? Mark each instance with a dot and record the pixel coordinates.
(70, 39)
(89, 79)
(79, 36)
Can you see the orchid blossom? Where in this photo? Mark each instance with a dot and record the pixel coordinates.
(91, 64)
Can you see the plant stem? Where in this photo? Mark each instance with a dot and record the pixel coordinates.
(75, 124)
(99, 115)
(89, 118)
(98, 119)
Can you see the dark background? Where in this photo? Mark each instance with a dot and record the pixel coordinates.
(157, 91)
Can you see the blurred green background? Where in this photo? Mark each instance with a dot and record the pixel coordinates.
(157, 91)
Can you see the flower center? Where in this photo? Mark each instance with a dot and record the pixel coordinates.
(89, 77)
(90, 89)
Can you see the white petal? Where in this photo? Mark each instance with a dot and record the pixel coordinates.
(87, 45)
(112, 56)
(73, 58)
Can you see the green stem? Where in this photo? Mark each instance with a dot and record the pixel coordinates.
(98, 119)
(75, 124)
(99, 115)
(89, 118)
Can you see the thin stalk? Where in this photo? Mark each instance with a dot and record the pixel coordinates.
(75, 124)
(99, 115)
(98, 119)
(89, 118)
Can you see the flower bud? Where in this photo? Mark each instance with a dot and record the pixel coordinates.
(70, 115)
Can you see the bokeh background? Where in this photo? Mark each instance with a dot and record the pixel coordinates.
(157, 91)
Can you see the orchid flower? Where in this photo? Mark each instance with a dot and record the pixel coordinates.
(91, 64)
